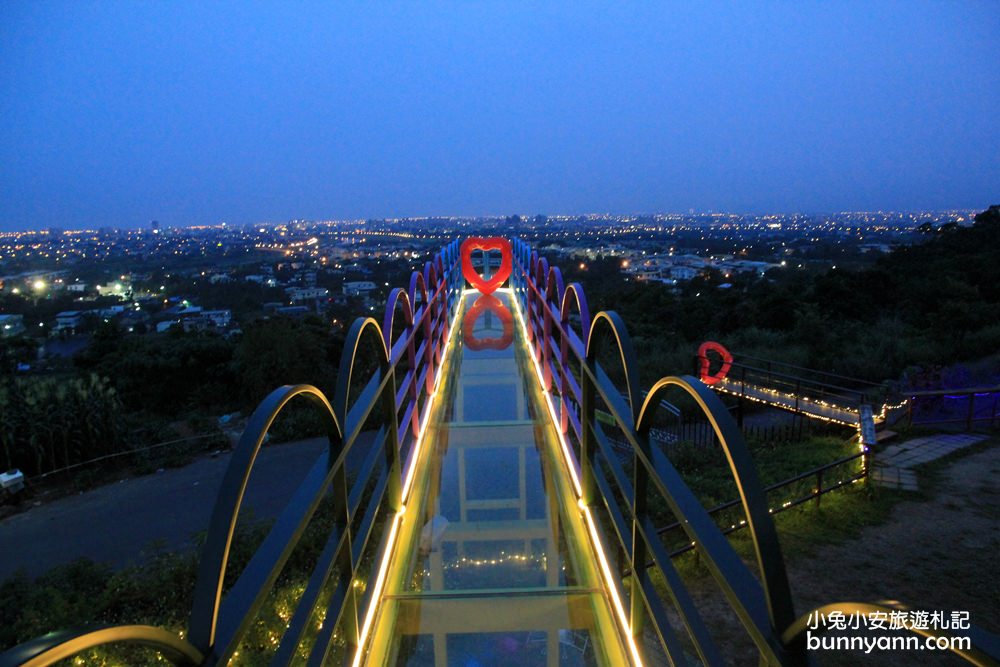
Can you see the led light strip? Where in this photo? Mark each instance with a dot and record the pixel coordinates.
(602, 558)
(424, 419)
(379, 583)
(383, 567)
(548, 398)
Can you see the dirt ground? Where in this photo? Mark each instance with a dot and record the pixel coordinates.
(936, 552)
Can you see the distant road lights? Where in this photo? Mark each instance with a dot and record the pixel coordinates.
(39, 285)
(624, 263)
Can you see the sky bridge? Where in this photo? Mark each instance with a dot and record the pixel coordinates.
(492, 494)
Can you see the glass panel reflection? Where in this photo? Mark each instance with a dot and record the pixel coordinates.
(493, 565)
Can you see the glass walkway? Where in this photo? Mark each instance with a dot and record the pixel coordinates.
(493, 564)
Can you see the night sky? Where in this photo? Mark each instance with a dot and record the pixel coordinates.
(189, 113)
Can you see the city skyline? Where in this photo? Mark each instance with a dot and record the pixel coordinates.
(916, 216)
(195, 115)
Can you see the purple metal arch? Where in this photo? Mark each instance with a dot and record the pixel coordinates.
(406, 391)
(397, 296)
(570, 341)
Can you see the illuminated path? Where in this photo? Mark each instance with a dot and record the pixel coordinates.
(493, 563)
(800, 405)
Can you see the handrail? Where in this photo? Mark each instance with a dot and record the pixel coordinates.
(812, 370)
(57, 646)
(798, 380)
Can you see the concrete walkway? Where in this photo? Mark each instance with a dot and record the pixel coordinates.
(894, 466)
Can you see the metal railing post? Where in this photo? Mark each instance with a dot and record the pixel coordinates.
(588, 414)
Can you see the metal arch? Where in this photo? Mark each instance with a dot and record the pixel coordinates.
(57, 646)
(555, 279)
(348, 357)
(215, 554)
(983, 651)
(417, 280)
(430, 273)
(752, 495)
(541, 273)
(398, 294)
(599, 331)
(576, 291)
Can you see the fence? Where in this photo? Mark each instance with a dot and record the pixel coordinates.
(966, 408)
(852, 469)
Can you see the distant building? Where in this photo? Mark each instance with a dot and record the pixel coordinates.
(358, 287)
(182, 309)
(646, 274)
(307, 293)
(111, 312)
(11, 325)
(220, 319)
(684, 272)
(165, 326)
(261, 280)
(76, 287)
(119, 289)
(69, 320)
(293, 311)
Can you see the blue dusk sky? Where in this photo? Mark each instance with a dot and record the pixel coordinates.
(117, 113)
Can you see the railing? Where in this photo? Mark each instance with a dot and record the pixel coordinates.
(820, 474)
(962, 407)
(798, 389)
(361, 475)
(575, 380)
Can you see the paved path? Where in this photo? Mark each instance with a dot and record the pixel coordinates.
(117, 522)
(894, 466)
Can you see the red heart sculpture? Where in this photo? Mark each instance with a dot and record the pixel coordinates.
(494, 305)
(469, 271)
(703, 362)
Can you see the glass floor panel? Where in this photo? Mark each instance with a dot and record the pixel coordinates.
(493, 565)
